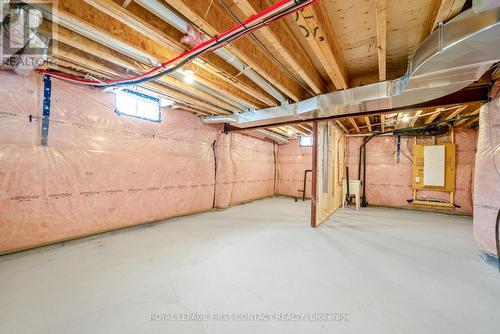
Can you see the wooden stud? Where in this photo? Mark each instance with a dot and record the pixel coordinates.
(354, 124)
(150, 31)
(89, 19)
(279, 40)
(415, 118)
(433, 115)
(342, 126)
(368, 123)
(467, 120)
(320, 36)
(457, 111)
(381, 17)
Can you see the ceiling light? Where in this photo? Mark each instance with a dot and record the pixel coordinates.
(188, 77)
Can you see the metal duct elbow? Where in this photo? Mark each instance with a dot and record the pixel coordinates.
(4, 9)
(33, 55)
(217, 119)
(18, 28)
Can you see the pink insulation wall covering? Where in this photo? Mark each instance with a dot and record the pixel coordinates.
(389, 183)
(487, 177)
(101, 171)
(292, 161)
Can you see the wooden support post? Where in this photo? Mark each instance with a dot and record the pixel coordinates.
(314, 181)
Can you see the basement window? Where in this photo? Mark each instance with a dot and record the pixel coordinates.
(138, 105)
(306, 141)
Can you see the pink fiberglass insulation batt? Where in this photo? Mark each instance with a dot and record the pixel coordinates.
(389, 182)
(101, 171)
(293, 160)
(487, 177)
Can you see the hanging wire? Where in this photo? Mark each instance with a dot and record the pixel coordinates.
(285, 68)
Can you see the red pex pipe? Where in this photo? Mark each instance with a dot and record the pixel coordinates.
(251, 24)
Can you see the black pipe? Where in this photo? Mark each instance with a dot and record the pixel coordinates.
(497, 239)
(214, 149)
(347, 197)
(430, 130)
(303, 191)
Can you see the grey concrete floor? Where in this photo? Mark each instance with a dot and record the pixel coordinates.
(391, 271)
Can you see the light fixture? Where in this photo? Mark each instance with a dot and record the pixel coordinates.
(188, 77)
(166, 102)
(405, 118)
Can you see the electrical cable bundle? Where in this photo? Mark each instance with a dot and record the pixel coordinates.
(257, 21)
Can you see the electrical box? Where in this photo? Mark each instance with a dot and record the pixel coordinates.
(434, 167)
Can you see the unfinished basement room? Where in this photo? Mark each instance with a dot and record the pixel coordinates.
(250, 166)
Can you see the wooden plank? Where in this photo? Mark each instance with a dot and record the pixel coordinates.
(440, 11)
(150, 31)
(368, 123)
(381, 17)
(342, 126)
(354, 124)
(415, 118)
(319, 34)
(433, 115)
(215, 21)
(475, 112)
(89, 19)
(279, 40)
(398, 124)
(85, 62)
(471, 122)
(456, 112)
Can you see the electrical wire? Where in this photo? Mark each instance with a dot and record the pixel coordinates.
(275, 12)
(285, 68)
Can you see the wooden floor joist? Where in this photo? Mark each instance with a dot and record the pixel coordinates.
(279, 40)
(212, 18)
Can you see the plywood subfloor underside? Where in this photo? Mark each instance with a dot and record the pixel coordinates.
(393, 271)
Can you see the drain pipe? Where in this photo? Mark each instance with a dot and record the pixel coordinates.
(167, 15)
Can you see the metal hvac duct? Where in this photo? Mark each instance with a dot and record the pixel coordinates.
(4, 9)
(263, 134)
(159, 9)
(450, 59)
(18, 28)
(28, 61)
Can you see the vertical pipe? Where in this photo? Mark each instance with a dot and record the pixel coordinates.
(314, 174)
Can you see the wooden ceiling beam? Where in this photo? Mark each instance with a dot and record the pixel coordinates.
(157, 33)
(279, 40)
(354, 124)
(434, 115)
(368, 123)
(456, 112)
(381, 18)
(319, 34)
(85, 62)
(341, 125)
(89, 19)
(440, 11)
(415, 118)
(466, 120)
(211, 17)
